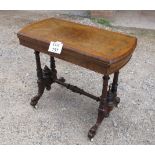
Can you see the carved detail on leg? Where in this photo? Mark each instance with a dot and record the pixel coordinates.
(102, 113)
(53, 68)
(54, 71)
(47, 78)
(40, 81)
(103, 110)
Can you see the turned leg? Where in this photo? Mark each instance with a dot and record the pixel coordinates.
(54, 71)
(116, 99)
(115, 83)
(103, 110)
(53, 68)
(40, 81)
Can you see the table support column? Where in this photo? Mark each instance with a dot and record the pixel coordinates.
(40, 81)
(116, 99)
(103, 110)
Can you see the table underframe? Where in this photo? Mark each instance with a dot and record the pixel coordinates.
(107, 101)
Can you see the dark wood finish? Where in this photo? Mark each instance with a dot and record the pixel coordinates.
(96, 49)
(76, 89)
(100, 50)
(103, 110)
(115, 82)
(53, 67)
(108, 101)
(40, 81)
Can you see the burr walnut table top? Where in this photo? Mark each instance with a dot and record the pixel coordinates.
(97, 49)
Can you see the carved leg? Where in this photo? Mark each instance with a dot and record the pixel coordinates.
(54, 71)
(53, 68)
(115, 82)
(103, 110)
(114, 88)
(40, 81)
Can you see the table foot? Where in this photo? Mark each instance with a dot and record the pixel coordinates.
(92, 132)
(108, 101)
(102, 113)
(36, 98)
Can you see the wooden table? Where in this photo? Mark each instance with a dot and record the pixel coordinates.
(96, 49)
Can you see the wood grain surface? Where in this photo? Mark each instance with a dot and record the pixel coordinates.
(97, 49)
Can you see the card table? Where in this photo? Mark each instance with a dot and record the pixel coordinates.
(99, 50)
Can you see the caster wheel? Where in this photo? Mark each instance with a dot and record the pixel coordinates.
(92, 140)
(35, 107)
